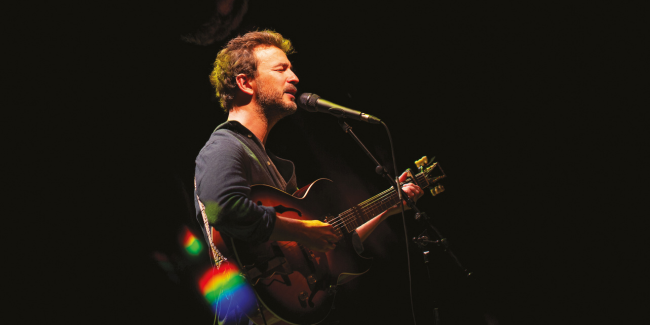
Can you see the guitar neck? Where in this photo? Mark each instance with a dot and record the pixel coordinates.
(368, 209)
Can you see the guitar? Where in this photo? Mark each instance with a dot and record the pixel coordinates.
(297, 285)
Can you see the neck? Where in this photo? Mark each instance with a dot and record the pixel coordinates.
(254, 120)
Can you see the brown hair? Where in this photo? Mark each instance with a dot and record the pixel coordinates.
(237, 57)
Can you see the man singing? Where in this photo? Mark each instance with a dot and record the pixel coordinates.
(256, 86)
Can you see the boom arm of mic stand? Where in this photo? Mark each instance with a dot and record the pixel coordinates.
(380, 168)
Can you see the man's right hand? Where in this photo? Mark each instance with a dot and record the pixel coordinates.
(318, 236)
(313, 234)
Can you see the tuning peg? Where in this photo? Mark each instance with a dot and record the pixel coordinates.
(421, 162)
(437, 190)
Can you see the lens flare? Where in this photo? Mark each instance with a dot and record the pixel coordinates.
(191, 243)
(227, 283)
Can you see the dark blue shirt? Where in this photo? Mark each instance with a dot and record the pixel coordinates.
(231, 161)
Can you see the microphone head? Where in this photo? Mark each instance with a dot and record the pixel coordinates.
(307, 101)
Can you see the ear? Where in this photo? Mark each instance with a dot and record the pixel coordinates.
(245, 83)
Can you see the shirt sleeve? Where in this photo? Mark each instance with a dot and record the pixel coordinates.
(222, 186)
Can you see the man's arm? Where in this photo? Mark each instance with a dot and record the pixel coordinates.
(320, 236)
(223, 169)
(315, 235)
(412, 190)
(223, 187)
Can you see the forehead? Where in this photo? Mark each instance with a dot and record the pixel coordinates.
(269, 56)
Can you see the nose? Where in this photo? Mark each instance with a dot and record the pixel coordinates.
(293, 79)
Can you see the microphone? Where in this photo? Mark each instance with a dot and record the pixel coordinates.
(313, 103)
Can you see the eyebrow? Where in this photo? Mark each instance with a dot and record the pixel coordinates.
(283, 64)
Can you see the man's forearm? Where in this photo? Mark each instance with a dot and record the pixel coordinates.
(313, 234)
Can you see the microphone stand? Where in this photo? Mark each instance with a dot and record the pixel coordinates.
(379, 169)
(423, 240)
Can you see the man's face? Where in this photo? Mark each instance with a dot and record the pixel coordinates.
(275, 82)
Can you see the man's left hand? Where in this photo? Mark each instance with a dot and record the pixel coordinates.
(410, 189)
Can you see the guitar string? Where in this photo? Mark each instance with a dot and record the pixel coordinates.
(346, 216)
(374, 207)
(349, 216)
(363, 208)
(368, 207)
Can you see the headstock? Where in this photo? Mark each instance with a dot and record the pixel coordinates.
(430, 174)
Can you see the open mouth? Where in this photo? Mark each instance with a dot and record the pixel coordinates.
(291, 91)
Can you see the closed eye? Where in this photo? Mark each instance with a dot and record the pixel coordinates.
(283, 67)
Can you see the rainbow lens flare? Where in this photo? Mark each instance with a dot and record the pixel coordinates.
(191, 243)
(226, 283)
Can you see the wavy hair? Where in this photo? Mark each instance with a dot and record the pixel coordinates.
(237, 57)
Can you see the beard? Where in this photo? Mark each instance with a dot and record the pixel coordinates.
(272, 102)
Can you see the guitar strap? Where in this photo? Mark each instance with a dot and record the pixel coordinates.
(278, 176)
(216, 255)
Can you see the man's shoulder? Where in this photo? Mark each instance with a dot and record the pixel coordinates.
(223, 135)
(229, 141)
(222, 139)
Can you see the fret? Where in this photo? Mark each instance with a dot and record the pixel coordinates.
(368, 209)
(421, 180)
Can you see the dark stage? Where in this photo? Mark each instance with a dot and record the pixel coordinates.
(523, 105)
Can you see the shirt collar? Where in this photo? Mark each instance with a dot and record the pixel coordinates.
(234, 126)
(239, 128)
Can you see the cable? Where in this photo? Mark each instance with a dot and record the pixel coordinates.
(215, 311)
(408, 258)
(260, 309)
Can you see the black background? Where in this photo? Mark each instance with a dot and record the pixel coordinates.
(530, 109)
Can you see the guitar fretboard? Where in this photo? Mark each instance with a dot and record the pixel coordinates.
(361, 213)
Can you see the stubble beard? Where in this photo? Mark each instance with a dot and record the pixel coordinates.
(272, 104)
